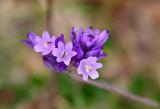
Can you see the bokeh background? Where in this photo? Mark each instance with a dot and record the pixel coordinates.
(132, 64)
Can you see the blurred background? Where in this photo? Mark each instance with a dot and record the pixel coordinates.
(132, 64)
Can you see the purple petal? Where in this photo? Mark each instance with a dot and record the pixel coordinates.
(59, 39)
(67, 60)
(102, 38)
(32, 38)
(94, 51)
(60, 67)
(93, 74)
(53, 39)
(101, 56)
(88, 30)
(49, 61)
(74, 36)
(69, 46)
(85, 76)
(80, 53)
(61, 46)
(91, 60)
(97, 65)
(96, 32)
(28, 43)
(56, 52)
(38, 48)
(46, 36)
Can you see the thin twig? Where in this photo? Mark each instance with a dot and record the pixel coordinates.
(118, 91)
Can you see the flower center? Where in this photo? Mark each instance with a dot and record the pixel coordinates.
(64, 53)
(87, 68)
(47, 44)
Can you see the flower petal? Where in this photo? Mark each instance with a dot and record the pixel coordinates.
(69, 46)
(85, 76)
(88, 30)
(28, 43)
(38, 48)
(93, 74)
(61, 38)
(91, 60)
(80, 53)
(46, 36)
(93, 52)
(101, 56)
(97, 65)
(60, 67)
(53, 39)
(67, 60)
(102, 38)
(49, 61)
(61, 46)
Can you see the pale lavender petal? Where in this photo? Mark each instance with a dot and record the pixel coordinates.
(38, 40)
(72, 53)
(59, 59)
(38, 48)
(53, 38)
(79, 69)
(85, 76)
(67, 60)
(93, 74)
(91, 60)
(56, 52)
(97, 65)
(46, 36)
(69, 46)
(61, 46)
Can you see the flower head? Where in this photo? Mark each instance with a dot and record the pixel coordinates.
(87, 67)
(64, 53)
(45, 44)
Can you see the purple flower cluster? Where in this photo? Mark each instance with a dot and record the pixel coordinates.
(86, 49)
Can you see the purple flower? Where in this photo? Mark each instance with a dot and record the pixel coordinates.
(49, 61)
(45, 44)
(88, 67)
(64, 53)
(89, 38)
(33, 40)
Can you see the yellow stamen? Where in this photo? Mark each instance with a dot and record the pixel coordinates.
(88, 68)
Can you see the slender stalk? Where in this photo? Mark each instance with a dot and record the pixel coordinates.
(49, 16)
(118, 91)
